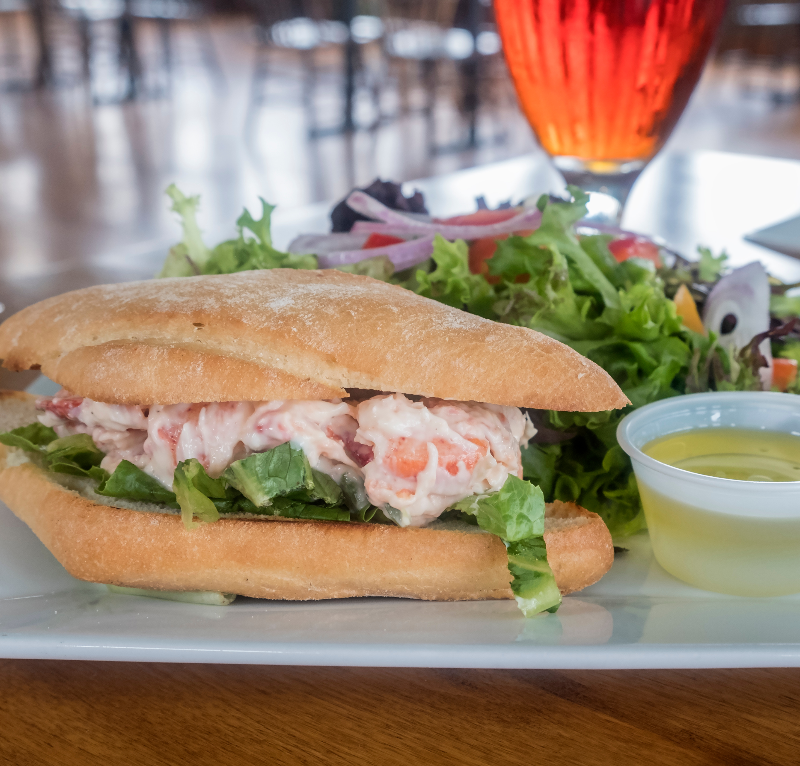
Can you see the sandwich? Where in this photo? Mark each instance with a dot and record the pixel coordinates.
(294, 434)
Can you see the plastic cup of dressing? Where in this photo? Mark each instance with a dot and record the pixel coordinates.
(719, 478)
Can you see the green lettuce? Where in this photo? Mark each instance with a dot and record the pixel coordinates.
(534, 586)
(617, 315)
(515, 514)
(73, 454)
(249, 253)
(283, 470)
(378, 267)
(251, 250)
(188, 257)
(451, 282)
(31, 438)
(131, 483)
(76, 455)
(784, 306)
(711, 267)
(194, 490)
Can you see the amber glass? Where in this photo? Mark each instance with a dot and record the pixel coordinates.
(603, 82)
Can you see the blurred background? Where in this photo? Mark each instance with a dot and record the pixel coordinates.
(103, 103)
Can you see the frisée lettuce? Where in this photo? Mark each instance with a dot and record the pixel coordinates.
(251, 250)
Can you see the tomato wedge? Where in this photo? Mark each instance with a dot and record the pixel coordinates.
(635, 247)
(784, 373)
(480, 217)
(380, 240)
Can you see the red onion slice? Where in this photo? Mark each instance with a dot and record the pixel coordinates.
(398, 225)
(370, 207)
(403, 255)
(743, 296)
(319, 244)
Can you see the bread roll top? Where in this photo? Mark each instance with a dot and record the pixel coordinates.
(291, 334)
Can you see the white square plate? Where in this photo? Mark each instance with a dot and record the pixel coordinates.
(638, 616)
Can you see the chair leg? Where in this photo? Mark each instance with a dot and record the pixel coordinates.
(309, 89)
(429, 85)
(208, 51)
(44, 64)
(165, 34)
(129, 57)
(85, 34)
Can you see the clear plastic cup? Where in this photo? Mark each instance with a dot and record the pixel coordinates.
(737, 537)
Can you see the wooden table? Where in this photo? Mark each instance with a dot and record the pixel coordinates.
(87, 714)
(100, 713)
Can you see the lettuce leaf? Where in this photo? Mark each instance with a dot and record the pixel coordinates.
(76, 455)
(131, 483)
(711, 267)
(79, 449)
(251, 250)
(266, 475)
(784, 306)
(451, 281)
(515, 514)
(30, 438)
(194, 490)
(297, 509)
(187, 258)
(378, 267)
(534, 586)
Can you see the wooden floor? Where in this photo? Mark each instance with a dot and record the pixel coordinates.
(82, 181)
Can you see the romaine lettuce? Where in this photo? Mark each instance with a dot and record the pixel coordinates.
(515, 514)
(30, 438)
(131, 483)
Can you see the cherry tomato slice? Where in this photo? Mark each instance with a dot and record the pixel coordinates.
(784, 373)
(479, 217)
(635, 247)
(380, 240)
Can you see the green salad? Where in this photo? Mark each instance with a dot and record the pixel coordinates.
(558, 280)
(618, 314)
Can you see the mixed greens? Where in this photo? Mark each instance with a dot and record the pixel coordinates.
(619, 314)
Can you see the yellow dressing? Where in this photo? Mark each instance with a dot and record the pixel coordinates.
(743, 556)
(731, 453)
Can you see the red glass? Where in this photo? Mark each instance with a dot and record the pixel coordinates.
(605, 81)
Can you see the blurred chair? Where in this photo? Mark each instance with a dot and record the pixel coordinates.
(427, 34)
(88, 13)
(166, 13)
(13, 74)
(766, 34)
(309, 29)
(418, 35)
(125, 16)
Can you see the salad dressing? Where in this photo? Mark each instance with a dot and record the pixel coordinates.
(731, 554)
(731, 453)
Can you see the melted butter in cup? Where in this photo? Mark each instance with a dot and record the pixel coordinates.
(718, 476)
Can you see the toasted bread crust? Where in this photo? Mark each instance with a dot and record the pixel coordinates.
(280, 558)
(319, 328)
(133, 373)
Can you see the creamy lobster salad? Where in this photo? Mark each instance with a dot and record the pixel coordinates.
(414, 456)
